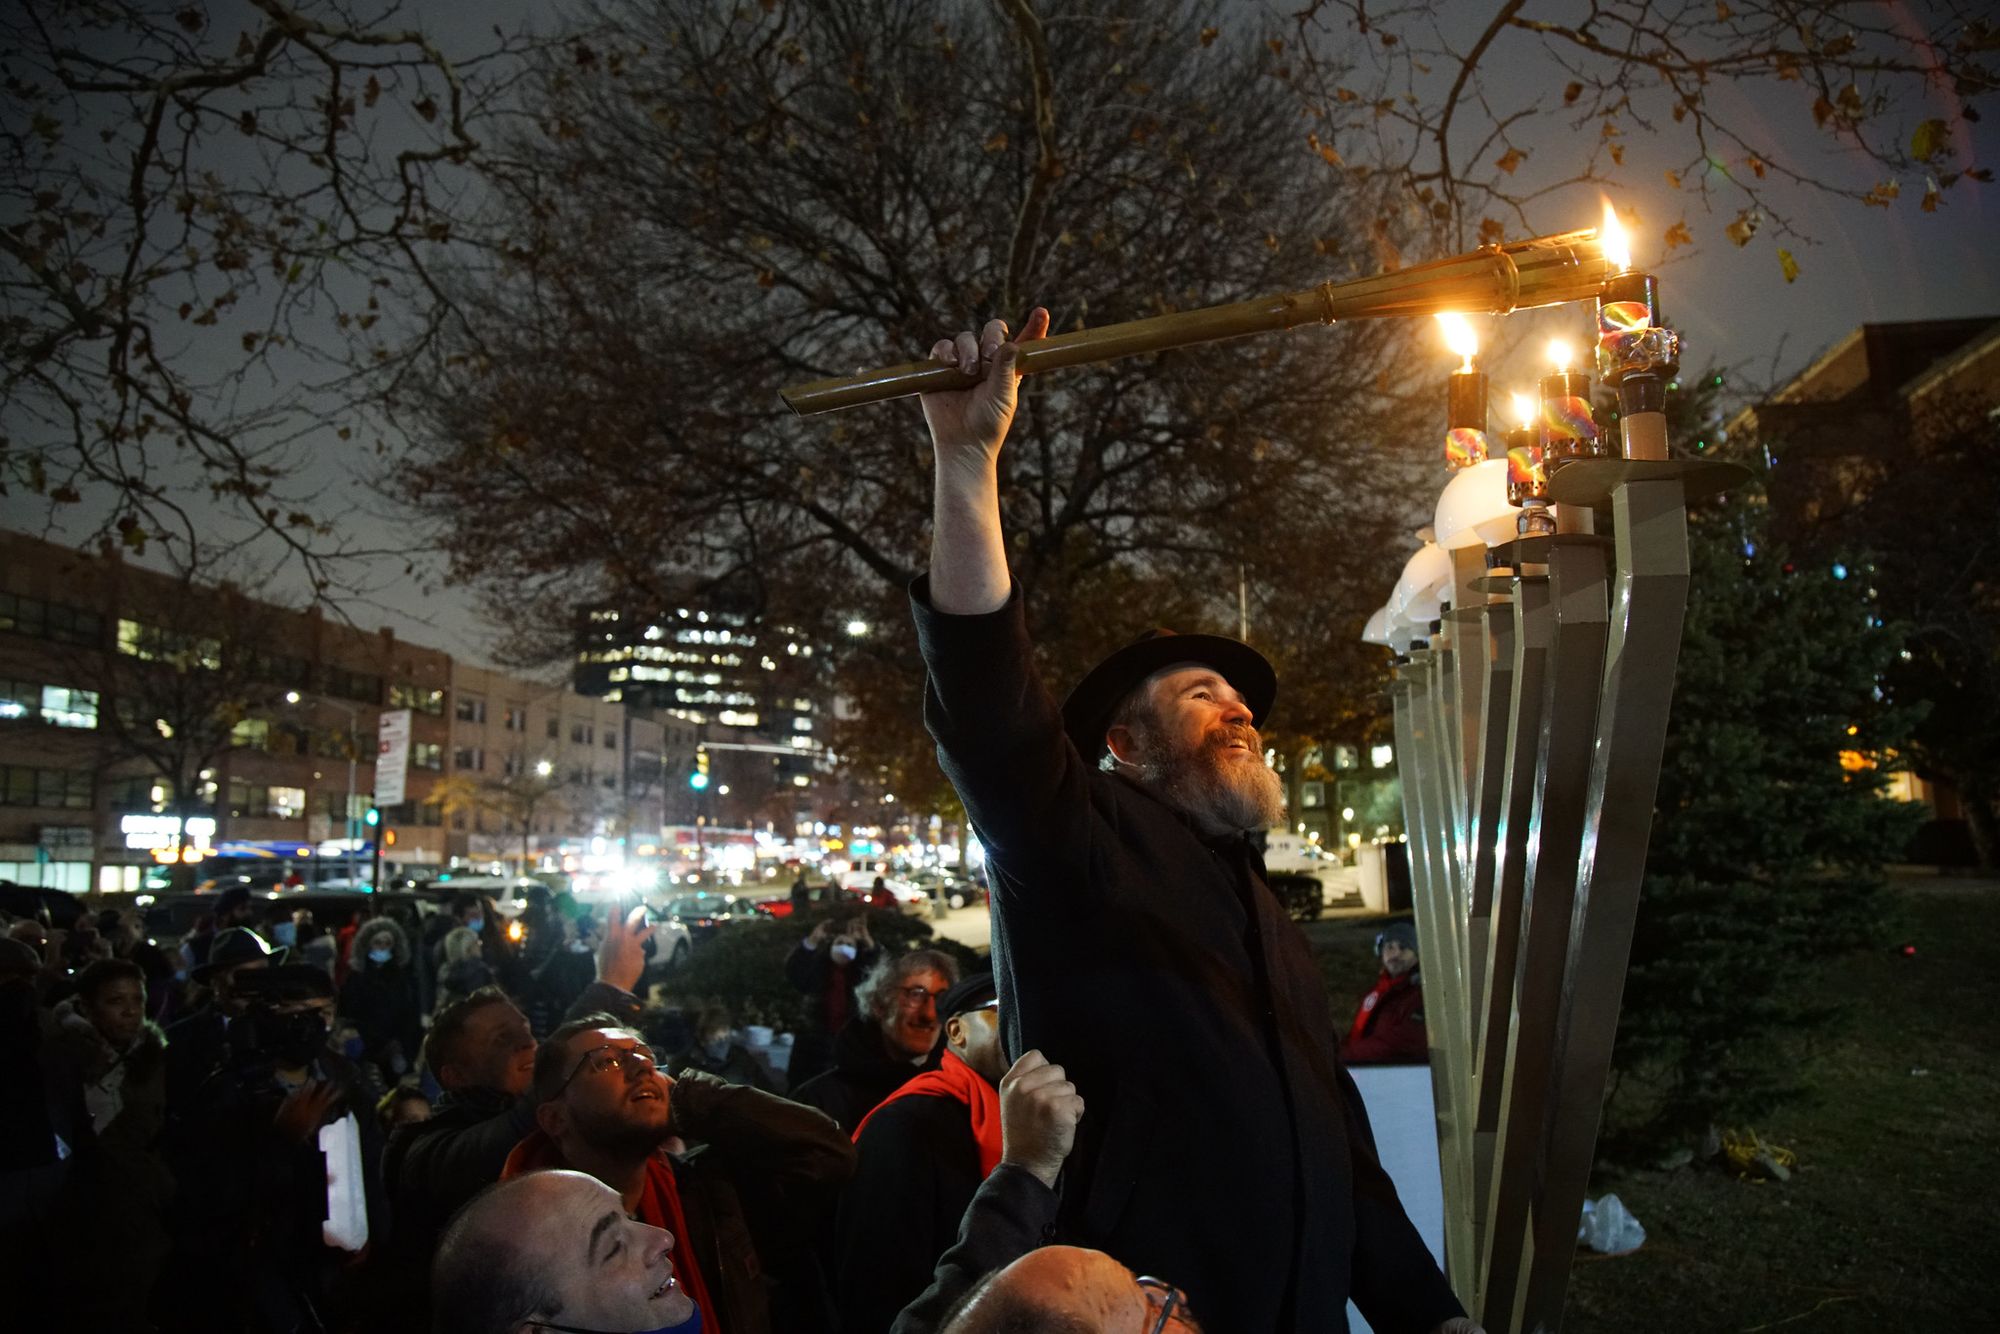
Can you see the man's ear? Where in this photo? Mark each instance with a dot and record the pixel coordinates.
(954, 1032)
(551, 1118)
(1124, 746)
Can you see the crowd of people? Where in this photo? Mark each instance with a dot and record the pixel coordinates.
(1143, 1111)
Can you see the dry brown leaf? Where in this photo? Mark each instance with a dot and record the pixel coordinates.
(1789, 265)
(1511, 160)
(1678, 235)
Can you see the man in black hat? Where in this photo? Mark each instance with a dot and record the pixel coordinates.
(1134, 938)
(196, 1043)
(922, 1153)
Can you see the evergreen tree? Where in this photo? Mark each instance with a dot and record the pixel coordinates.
(1770, 827)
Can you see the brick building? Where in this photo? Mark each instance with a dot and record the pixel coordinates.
(142, 716)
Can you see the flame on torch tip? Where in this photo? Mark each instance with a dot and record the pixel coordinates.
(1524, 409)
(1561, 354)
(1459, 336)
(1617, 246)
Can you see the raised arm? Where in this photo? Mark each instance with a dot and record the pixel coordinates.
(968, 556)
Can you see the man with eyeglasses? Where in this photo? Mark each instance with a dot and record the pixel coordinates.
(1134, 937)
(893, 1038)
(923, 1152)
(732, 1172)
(481, 1051)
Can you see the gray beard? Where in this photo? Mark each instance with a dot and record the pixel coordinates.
(1218, 795)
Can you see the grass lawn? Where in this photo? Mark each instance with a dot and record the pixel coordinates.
(1889, 1222)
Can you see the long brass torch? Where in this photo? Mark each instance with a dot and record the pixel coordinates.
(1520, 275)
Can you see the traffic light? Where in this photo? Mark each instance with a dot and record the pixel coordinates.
(373, 818)
(388, 838)
(698, 779)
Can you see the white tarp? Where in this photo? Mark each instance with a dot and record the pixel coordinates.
(1404, 1119)
(392, 763)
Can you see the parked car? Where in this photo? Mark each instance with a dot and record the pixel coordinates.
(55, 908)
(704, 914)
(168, 917)
(957, 891)
(896, 893)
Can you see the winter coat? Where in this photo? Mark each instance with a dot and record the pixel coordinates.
(1393, 1033)
(918, 1169)
(1011, 1213)
(380, 1000)
(115, 1196)
(864, 1072)
(1223, 1146)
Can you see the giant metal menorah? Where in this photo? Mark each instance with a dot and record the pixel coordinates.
(1531, 712)
(1530, 716)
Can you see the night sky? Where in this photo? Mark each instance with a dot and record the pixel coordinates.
(1733, 306)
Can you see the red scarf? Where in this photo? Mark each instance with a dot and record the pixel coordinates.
(659, 1205)
(1370, 1001)
(956, 1080)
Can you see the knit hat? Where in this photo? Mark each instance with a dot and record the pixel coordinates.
(1403, 933)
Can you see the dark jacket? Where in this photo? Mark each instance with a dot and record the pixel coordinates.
(739, 1065)
(1011, 1214)
(817, 977)
(864, 1073)
(918, 1169)
(115, 1196)
(256, 1200)
(380, 1000)
(195, 1046)
(1224, 1148)
(1394, 1032)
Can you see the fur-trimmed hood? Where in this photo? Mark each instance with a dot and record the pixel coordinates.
(357, 949)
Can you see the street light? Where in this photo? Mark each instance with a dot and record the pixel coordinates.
(347, 822)
(543, 768)
(857, 629)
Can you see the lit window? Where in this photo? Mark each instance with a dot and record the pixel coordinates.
(1382, 756)
(69, 708)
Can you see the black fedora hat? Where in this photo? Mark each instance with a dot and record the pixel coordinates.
(1087, 712)
(238, 944)
(970, 993)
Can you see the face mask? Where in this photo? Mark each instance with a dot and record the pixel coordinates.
(285, 934)
(717, 1049)
(843, 953)
(475, 924)
(381, 956)
(353, 1047)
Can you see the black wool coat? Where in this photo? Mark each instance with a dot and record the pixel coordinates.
(1223, 1147)
(917, 1172)
(864, 1072)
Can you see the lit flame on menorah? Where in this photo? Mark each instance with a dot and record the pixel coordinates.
(1536, 630)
